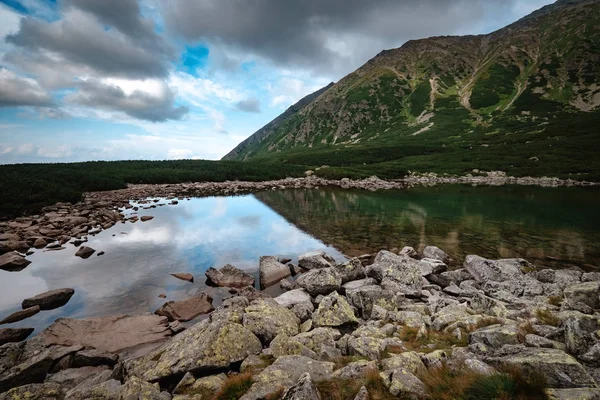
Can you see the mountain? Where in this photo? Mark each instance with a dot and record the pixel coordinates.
(524, 99)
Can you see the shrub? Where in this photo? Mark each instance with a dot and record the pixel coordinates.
(235, 387)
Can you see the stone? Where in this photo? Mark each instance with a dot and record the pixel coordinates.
(358, 284)
(403, 383)
(363, 298)
(363, 394)
(539, 341)
(229, 276)
(409, 361)
(49, 300)
(13, 262)
(85, 252)
(558, 368)
(429, 266)
(284, 373)
(319, 339)
(266, 319)
(581, 331)
(366, 346)
(192, 386)
(184, 276)
(304, 389)
(436, 253)
(10, 335)
(587, 293)
(93, 358)
(479, 367)
(304, 311)
(287, 284)
(284, 345)
(320, 281)
(402, 271)
(351, 271)
(355, 370)
(112, 334)
(334, 311)
(176, 327)
(188, 309)
(293, 297)
(146, 218)
(205, 346)
(592, 356)
(484, 270)
(72, 377)
(272, 271)
(495, 336)
(253, 363)
(573, 394)
(21, 315)
(408, 251)
(35, 391)
(315, 260)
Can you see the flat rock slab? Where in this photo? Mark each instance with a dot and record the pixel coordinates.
(13, 262)
(49, 300)
(272, 271)
(10, 335)
(184, 276)
(146, 218)
(188, 309)
(229, 276)
(21, 315)
(85, 252)
(112, 334)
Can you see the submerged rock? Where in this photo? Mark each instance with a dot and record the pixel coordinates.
(49, 300)
(229, 276)
(315, 260)
(184, 276)
(85, 252)
(21, 315)
(186, 310)
(272, 271)
(13, 262)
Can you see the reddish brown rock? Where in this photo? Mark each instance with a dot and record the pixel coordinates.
(184, 276)
(188, 309)
(9, 335)
(13, 262)
(229, 276)
(49, 300)
(21, 315)
(85, 252)
(146, 218)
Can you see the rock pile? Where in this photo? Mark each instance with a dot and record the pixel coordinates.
(396, 319)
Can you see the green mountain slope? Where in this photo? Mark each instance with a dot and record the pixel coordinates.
(524, 99)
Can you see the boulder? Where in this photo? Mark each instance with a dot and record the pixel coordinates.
(573, 394)
(35, 391)
(436, 253)
(204, 347)
(334, 311)
(558, 368)
(94, 358)
(184, 276)
(320, 281)
(319, 338)
(13, 262)
(587, 293)
(408, 251)
(266, 319)
(355, 370)
(229, 276)
(146, 218)
(72, 377)
(403, 383)
(284, 373)
(484, 270)
(304, 389)
(113, 334)
(188, 309)
(85, 252)
(363, 394)
(315, 260)
(495, 336)
(21, 315)
(293, 297)
(192, 386)
(357, 284)
(351, 270)
(284, 345)
(363, 298)
(10, 335)
(409, 361)
(49, 300)
(429, 266)
(581, 331)
(401, 272)
(272, 271)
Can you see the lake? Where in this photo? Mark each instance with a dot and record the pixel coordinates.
(553, 227)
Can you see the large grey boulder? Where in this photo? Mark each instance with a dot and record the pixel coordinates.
(430, 266)
(188, 309)
(272, 271)
(436, 253)
(401, 272)
(35, 391)
(409, 361)
(293, 297)
(304, 389)
(334, 311)
(112, 334)
(496, 336)
(229, 276)
(320, 281)
(581, 331)
(355, 370)
(558, 368)
(351, 270)
(573, 394)
(583, 296)
(484, 270)
(284, 373)
(315, 260)
(284, 345)
(363, 298)
(319, 339)
(266, 319)
(72, 377)
(403, 383)
(203, 347)
(49, 300)
(13, 262)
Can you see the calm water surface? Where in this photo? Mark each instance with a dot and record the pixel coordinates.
(551, 227)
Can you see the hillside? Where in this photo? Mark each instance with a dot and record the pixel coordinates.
(524, 99)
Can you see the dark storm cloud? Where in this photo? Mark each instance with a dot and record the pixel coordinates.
(250, 105)
(321, 33)
(18, 91)
(140, 105)
(129, 48)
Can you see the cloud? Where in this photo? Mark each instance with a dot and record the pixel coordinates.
(154, 107)
(18, 91)
(251, 105)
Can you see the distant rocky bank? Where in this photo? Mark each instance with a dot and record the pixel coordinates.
(386, 325)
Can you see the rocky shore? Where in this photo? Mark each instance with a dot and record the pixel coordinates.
(64, 222)
(386, 325)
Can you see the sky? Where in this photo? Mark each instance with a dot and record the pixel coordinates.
(88, 80)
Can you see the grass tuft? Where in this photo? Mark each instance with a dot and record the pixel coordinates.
(547, 317)
(235, 387)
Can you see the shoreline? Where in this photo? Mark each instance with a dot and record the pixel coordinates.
(59, 224)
